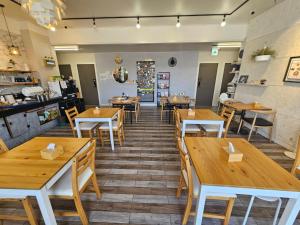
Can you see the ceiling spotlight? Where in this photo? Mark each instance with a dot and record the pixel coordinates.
(178, 24)
(52, 28)
(94, 24)
(138, 25)
(223, 23)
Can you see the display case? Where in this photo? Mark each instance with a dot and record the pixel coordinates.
(163, 85)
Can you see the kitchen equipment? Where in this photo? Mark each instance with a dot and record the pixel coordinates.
(10, 99)
(32, 91)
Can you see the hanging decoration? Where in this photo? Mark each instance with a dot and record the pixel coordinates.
(120, 74)
(47, 13)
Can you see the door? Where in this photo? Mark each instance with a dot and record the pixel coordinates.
(65, 71)
(206, 84)
(227, 77)
(88, 83)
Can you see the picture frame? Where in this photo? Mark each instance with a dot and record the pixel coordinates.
(243, 79)
(292, 73)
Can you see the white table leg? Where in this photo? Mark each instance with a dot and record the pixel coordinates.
(183, 129)
(111, 134)
(45, 207)
(221, 125)
(290, 213)
(200, 207)
(78, 128)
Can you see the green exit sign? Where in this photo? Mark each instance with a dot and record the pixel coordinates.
(214, 51)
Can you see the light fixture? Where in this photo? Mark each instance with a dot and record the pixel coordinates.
(13, 50)
(52, 28)
(47, 13)
(66, 48)
(138, 25)
(178, 22)
(94, 24)
(228, 45)
(223, 23)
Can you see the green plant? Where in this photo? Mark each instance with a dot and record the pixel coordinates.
(264, 51)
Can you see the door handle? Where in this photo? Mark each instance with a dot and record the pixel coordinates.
(94, 82)
(199, 82)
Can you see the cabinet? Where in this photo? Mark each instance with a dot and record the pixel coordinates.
(17, 124)
(4, 134)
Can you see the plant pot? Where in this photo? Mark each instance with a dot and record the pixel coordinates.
(262, 58)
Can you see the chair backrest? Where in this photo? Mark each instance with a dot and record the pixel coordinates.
(227, 114)
(269, 113)
(3, 147)
(71, 114)
(186, 169)
(120, 119)
(177, 123)
(295, 169)
(83, 166)
(163, 101)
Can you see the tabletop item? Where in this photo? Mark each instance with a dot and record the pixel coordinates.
(191, 112)
(52, 151)
(233, 154)
(97, 110)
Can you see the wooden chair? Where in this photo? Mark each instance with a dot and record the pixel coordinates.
(75, 181)
(190, 129)
(259, 122)
(227, 114)
(85, 127)
(163, 106)
(30, 214)
(296, 166)
(189, 180)
(118, 128)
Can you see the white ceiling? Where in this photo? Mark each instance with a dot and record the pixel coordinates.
(94, 8)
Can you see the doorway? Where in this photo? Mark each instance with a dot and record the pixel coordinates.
(87, 77)
(65, 71)
(206, 84)
(227, 77)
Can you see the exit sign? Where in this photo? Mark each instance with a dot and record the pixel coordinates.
(214, 51)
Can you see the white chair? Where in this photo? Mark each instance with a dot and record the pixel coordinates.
(189, 129)
(267, 199)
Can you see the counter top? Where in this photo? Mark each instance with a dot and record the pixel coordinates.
(7, 111)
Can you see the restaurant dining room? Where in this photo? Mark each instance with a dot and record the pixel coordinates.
(174, 112)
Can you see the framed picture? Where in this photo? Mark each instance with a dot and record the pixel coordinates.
(292, 73)
(243, 79)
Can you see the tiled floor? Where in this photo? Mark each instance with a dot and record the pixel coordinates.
(139, 180)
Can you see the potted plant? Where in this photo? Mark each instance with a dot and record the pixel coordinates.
(263, 54)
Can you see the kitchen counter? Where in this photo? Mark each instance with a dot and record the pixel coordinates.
(10, 110)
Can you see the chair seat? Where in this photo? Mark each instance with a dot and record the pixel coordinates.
(196, 185)
(105, 126)
(63, 187)
(268, 199)
(87, 126)
(191, 128)
(211, 128)
(259, 122)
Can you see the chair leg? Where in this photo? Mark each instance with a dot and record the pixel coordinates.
(119, 137)
(240, 126)
(228, 211)
(277, 211)
(80, 210)
(136, 116)
(180, 186)
(250, 133)
(91, 133)
(188, 208)
(161, 115)
(248, 210)
(29, 211)
(270, 135)
(96, 187)
(123, 134)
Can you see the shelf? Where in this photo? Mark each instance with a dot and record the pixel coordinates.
(17, 83)
(259, 85)
(16, 71)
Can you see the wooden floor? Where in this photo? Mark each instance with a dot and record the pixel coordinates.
(139, 180)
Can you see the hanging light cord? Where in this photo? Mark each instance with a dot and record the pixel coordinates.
(7, 25)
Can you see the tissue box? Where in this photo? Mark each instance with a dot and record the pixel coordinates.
(51, 155)
(191, 112)
(235, 156)
(96, 111)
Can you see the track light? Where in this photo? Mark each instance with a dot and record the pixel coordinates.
(178, 24)
(52, 28)
(94, 24)
(138, 25)
(223, 23)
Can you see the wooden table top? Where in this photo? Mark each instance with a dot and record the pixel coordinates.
(178, 100)
(256, 170)
(200, 114)
(119, 101)
(240, 106)
(23, 168)
(103, 113)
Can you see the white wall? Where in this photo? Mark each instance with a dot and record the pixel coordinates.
(279, 27)
(183, 75)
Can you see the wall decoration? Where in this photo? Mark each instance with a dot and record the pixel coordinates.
(263, 54)
(172, 62)
(145, 80)
(292, 73)
(120, 74)
(243, 79)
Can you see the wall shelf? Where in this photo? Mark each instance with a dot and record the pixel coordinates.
(17, 83)
(16, 71)
(259, 85)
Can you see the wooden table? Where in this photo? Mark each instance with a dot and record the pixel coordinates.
(179, 100)
(104, 115)
(128, 104)
(240, 106)
(24, 173)
(256, 175)
(202, 116)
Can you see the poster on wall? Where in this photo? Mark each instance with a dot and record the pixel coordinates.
(145, 80)
(292, 73)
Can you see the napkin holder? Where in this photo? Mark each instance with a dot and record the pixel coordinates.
(191, 112)
(52, 154)
(96, 110)
(235, 156)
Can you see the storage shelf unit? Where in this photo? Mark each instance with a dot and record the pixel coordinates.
(17, 83)
(163, 85)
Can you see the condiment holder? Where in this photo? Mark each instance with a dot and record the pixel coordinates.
(191, 112)
(52, 151)
(233, 154)
(97, 110)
